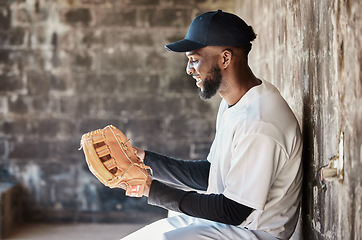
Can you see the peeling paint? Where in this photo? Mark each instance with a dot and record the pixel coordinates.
(87, 194)
(31, 177)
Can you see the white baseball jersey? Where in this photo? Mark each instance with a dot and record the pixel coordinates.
(256, 160)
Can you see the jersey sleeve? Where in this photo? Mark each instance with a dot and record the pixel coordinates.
(254, 166)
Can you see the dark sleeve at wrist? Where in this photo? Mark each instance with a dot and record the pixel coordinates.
(165, 196)
(214, 207)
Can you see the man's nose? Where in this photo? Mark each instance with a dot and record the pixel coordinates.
(189, 69)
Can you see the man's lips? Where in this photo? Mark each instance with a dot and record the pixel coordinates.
(196, 76)
(198, 80)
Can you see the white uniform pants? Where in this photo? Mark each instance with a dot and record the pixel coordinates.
(183, 227)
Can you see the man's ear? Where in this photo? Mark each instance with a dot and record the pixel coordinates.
(226, 58)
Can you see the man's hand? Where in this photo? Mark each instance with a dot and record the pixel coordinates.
(147, 186)
(140, 153)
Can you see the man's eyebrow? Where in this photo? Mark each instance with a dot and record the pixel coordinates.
(192, 53)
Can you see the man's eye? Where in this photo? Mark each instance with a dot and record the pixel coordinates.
(194, 61)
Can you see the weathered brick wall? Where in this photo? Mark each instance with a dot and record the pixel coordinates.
(58, 58)
(69, 67)
(311, 50)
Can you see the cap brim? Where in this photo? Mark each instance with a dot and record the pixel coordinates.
(184, 46)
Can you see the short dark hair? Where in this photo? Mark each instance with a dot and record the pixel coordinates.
(251, 35)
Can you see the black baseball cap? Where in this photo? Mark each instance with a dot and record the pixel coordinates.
(216, 28)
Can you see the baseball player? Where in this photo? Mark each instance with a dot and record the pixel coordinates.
(249, 185)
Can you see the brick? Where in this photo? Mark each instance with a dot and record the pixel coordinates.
(98, 3)
(124, 17)
(67, 150)
(200, 108)
(5, 17)
(15, 61)
(42, 104)
(134, 82)
(140, 128)
(19, 127)
(19, 105)
(142, 106)
(112, 106)
(4, 108)
(59, 83)
(87, 106)
(145, 2)
(83, 60)
(191, 128)
(121, 61)
(10, 83)
(4, 148)
(41, 12)
(3, 38)
(107, 61)
(177, 148)
(185, 2)
(47, 127)
(95, 84)
(23, 16)
(139, 39)
(200, 150)
(81, 15)
(38, 83)
(113, 38)
(67, 106)
(164, 107)
(54, 127)
(165, 17)
(40, 33)
(16, 36)
(29, 149)
(4, 56)
(155, 62)
(182, 83)
(93, 37)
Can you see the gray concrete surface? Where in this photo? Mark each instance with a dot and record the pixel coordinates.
(41, 231)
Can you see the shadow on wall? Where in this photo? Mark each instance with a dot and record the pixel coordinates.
(309, 176)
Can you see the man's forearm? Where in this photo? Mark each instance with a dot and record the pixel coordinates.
(192, 174)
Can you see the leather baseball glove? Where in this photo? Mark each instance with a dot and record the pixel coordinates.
(112, 159)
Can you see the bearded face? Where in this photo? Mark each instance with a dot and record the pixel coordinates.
(211, 83)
